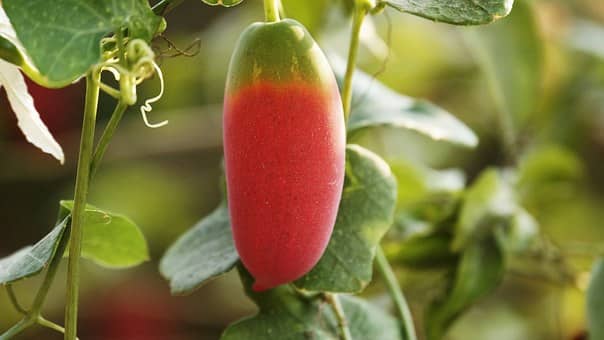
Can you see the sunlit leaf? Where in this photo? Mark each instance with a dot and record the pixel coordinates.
(458, 12)
(373, 104)
(110, 240)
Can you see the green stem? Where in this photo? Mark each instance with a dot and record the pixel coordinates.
(397, 295)
(81, 193)
(357, 23)
(17, 328)
(334, 301)
(165, 6)
(271, 10)
(103, 143)
(13, 299)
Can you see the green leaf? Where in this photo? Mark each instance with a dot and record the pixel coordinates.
(286, 315)
(423, 251)
(510, 55)
(225, 3)
(376, 105)
(522, 232)
(595, 302)
(479, 271)
(62, 37)
(201, 254)
(110, 240)
(365, 214)
(489, 201)
(31, 260)
(457, 12)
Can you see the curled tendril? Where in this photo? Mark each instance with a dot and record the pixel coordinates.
(139, 64)
(146, 108)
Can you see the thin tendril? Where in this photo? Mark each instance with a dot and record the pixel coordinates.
(146, 108)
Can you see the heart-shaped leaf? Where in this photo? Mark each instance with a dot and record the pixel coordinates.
(110, 240)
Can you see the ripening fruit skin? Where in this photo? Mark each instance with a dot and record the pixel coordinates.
(284, 145)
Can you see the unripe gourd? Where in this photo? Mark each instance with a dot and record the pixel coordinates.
(284, 145)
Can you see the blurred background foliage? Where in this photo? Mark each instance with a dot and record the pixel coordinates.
(543, 66)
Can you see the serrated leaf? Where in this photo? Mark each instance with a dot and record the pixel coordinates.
(225, 3)
(110, 240)
(31, 260)
(510, 54)
(365, 214)
(201, 254)
(479, 271)
(457, 12)
(489, 201)
(62, 37)
(374, 104)
(286, 315)
(595, 302)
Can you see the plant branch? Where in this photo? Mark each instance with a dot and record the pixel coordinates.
(334, 301)
(165, 6)
(106, 137)
(17, 328)
(396, 294)
(357, 22)
(13, 299)
(81, 193)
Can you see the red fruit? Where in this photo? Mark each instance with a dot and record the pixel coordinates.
(284, 145)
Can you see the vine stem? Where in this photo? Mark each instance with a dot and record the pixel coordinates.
(81, 193)
(334, 301)
(357, 22)
(106, 137)
(396, 294)
(271, 10)
(17, 328)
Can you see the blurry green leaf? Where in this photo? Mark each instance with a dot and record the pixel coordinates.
(510, 55)
(373, 104)
(487, 202)
(423, 251)
(31, 260)
(595, 302)
(419, 182)
(63, 37)
(457, 12)
(549, 172)
(111, 240)
(201, 254)
(286, 315)
(479, 271)
(365, 214)
(225, 3)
